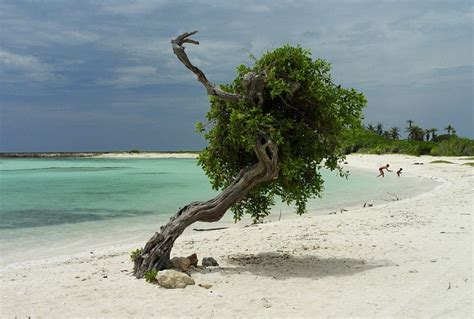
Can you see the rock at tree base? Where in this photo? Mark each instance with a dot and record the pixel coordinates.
(193, 259)
(181, 263)
(209, 262)
(173, 279)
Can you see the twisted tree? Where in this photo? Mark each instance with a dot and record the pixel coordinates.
(270, 132)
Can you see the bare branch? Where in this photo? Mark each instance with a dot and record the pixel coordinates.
(178, 49)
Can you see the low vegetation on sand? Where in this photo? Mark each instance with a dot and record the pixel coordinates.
(365, 141)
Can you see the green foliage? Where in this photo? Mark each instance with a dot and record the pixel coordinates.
(303, 112)
(134, 151)
(454, 146)
(150, 275)
(441, 162)
(135, 253)
(469, 164)
(364, 141)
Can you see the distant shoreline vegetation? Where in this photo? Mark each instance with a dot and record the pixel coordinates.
(373, 139)
(84, 154)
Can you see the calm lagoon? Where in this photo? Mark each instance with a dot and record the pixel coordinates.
(50, 207)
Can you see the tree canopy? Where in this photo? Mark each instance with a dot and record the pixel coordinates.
(300, 109)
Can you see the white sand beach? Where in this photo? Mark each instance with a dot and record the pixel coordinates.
(147, 155)
(405, 258)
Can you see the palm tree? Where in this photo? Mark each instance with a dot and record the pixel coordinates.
(433, 133)
(449, 129)
(395, 133)
(427, 134)
(415, 133)
(418, 133)
(370, 127)
(409, 129)
(379, 129)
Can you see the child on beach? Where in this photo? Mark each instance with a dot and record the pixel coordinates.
(399, 172)
(383, 168)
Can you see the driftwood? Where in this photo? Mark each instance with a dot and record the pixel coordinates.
(210, 229)
(156, 253)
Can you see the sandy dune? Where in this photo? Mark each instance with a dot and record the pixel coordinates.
(407, 258)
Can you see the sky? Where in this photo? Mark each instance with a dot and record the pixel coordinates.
(101, 76)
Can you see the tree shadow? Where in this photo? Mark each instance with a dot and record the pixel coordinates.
(281, 266)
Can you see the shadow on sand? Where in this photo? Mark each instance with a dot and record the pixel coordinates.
(281, 265)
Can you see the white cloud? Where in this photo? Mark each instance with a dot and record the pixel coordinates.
(132, 7)
(20, 68)
(132, 76)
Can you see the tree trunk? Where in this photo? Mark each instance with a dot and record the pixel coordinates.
(156, 254)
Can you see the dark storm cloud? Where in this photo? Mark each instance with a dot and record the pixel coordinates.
(98, 75)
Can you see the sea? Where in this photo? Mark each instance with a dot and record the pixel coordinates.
(60, 206)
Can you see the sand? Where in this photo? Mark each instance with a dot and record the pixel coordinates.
(147, 155)
(406, 258)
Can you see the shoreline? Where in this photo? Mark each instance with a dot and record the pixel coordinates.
(400, 258)
(118, 154)
(114, 236)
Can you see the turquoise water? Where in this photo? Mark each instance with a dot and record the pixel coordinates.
(54, 206)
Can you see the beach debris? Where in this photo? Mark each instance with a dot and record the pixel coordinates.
(413, 271)
(181, 263)
(209, 262)
(215, 293)
(369, 204)
(172, 279)
(209, 229)
(205, 286)
(394, 195)
(266, 303)
(449, 286)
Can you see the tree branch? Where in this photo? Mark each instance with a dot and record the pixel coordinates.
(156, 253)
(178, 49)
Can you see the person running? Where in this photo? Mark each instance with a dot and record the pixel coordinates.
(399, 172)
(383, 168)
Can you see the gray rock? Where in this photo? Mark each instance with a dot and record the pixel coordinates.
(173, 279)
(209, 262)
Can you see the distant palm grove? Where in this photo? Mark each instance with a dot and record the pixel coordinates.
(374, 139)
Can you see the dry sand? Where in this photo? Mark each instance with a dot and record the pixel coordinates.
(407, 258)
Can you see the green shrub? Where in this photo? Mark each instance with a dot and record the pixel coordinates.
(469, 164)
(364, 141)
(135, 253)
(441, 162)
(134, 152)
(150, 275)
(455, 146)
